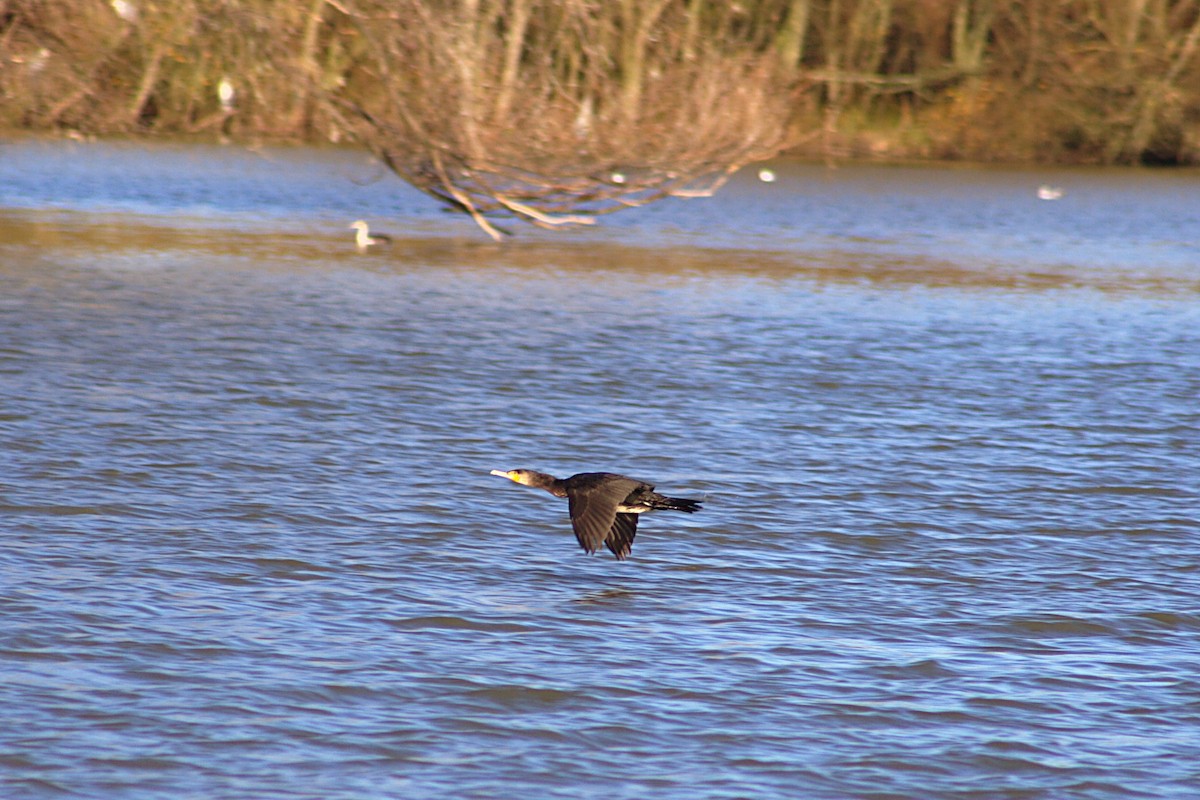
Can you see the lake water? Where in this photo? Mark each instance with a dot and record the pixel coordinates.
(947, 434)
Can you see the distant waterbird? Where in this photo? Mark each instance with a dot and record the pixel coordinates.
(604, 506)
(227, 95)
(363, 238)
(1048, 192)
(125, 10)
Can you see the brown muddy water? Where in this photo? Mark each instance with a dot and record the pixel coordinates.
(948, 437)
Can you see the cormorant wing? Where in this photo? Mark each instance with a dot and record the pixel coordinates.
(593, 504)
(620, 538)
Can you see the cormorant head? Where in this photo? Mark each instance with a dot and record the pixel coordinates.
(522, 476)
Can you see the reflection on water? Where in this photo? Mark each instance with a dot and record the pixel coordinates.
(251, 547)
(608, 596)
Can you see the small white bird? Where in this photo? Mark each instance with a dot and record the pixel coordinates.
(363, 237)
(766, 175)
(125, 10)
(227, 95)
(1047, 192)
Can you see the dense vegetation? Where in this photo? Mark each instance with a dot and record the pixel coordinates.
(1067, 80)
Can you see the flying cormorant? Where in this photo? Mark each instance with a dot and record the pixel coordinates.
(604, 506)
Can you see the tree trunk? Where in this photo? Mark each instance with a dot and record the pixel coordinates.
(790, 41)
(969, 36)
(514, 44)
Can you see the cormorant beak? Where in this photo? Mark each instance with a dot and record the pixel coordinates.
(501, 473)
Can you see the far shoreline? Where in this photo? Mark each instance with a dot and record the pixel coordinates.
(869, 148)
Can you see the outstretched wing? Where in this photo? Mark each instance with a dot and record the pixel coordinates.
(620, 538)
(593, 507)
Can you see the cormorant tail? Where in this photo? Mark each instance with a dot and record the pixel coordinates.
(663, 503)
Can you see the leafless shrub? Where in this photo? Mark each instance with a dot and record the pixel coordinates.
(558, 112)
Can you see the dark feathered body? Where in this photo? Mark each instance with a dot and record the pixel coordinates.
(604, 506)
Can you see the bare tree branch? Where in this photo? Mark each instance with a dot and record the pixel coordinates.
(526, 109)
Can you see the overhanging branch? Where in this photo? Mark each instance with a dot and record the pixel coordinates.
(445, 128)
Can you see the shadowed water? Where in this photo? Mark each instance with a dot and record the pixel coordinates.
(948, 437)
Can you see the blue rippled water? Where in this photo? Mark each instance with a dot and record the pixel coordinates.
(948, 438)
